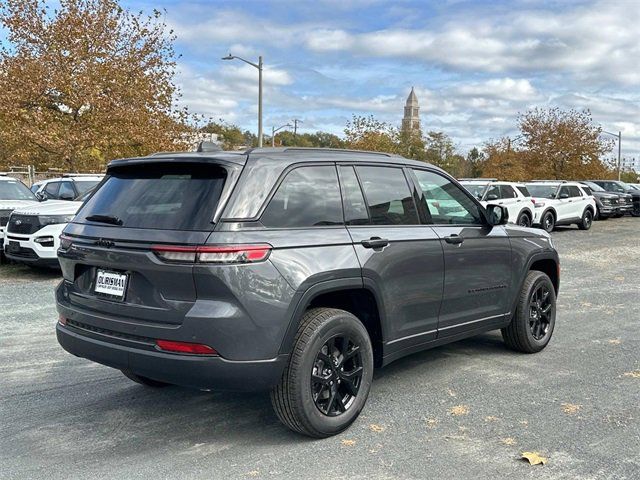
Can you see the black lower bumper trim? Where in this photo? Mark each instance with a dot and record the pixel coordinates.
(202, 372)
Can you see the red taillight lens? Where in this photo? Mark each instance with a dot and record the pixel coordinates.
(62, 321)
(65, 242)
(223, 254)
(185, 347)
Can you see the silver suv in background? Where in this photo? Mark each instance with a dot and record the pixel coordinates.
(67, 187)
(293, 270)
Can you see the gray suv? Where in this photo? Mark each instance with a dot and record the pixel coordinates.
(292, 270)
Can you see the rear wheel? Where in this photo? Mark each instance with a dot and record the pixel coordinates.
(148, 382)
(636, 209)
(326, 383)
(587, 220)
(532, 325)
(524, 220)
(548, 221)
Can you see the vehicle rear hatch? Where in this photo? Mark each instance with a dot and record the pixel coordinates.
(108, 263)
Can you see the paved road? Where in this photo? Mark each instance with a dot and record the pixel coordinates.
(466, 410)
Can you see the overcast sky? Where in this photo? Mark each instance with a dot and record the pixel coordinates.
(474, 65)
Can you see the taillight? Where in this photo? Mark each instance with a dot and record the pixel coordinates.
(185, 347)
(536, 203)
(62, 321)
(222, 254)
(65, 242)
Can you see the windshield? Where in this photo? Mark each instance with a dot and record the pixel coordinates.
(14, 190)
(84, 185)
(542, 190)
(595, 187)
(158, 196)
(477, 190)
(624, 185)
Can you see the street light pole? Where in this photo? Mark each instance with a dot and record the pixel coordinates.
(619, 135)
(259, 67)
(273, 133)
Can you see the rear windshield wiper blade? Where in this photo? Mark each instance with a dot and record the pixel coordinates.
(111, 219)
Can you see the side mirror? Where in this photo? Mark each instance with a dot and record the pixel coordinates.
(564, 195)
(41, 197)
(497, 215)
(491, 197)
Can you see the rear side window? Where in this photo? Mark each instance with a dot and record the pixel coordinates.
(307, 197)
(524, 191)
(388, 196)
(160, 196)
(355, 209)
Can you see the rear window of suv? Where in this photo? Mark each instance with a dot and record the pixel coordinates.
(160, 196)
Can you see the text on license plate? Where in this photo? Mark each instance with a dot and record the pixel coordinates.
(111, 283)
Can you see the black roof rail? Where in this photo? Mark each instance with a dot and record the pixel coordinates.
(548, 181)
(315, 149)
(478, 179)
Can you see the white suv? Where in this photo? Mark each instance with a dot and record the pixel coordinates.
(66, 187)
(561, 203)
(513, 196)
(13, 194)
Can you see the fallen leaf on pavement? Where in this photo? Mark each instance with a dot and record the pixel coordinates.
(459, 410)
(376, 428)
(615, 341)
(571, 408)
(490, 418)
(348, 443)
(508, 441)
(534, 458)
(634, 374)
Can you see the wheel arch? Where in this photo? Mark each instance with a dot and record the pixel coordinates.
(545, 262)
(352, 295)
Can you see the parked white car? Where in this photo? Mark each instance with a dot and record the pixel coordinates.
(67, 187)
(33, 232)
(13, 194)
(561, 203)
(514, 196)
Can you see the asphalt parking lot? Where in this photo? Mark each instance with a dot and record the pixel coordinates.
(467, 410)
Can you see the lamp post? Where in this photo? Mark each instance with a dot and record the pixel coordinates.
(273, 133)
(619, 136)
(259, 67)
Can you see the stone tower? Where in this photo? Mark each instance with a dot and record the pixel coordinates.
(411, 120)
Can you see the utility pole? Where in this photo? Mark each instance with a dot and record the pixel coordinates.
(295, 128)
(619, 152)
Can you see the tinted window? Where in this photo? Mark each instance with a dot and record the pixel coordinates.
(388, 196)
(66, 190)
(564, 191)
(14, 190)
(524, 191)
(84, 185)
(542, 190)
(169, 197)
(493, 193)
(508, 191)
(574, 191)
(446, 202)
(51, 190)
(355, 210)
(307, 197)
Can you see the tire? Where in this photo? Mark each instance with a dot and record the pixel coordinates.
(312, 408)
(531, 328)
(548, 221)
(636, 209)
(587, 220)
(147, 382)
(524, 220)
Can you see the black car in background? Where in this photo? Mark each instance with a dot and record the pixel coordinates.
(608, 204)
(619, 187)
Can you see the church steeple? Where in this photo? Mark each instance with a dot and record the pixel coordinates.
(411, 120)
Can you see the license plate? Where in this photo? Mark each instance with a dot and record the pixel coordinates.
(111, 283)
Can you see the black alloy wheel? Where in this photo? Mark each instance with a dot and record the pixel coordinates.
(336, 375)
(524, 220)
(540, 309)
(587, 220)
(548, 222)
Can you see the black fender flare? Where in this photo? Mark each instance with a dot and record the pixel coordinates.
(544, 255)
(547, 210)
(302, 299)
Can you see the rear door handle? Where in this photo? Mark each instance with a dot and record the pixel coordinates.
(375, 243)
(454, 239)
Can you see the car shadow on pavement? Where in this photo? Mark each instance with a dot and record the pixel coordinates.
(16, 271)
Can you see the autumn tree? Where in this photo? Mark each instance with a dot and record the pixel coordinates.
(368, 133)
(231, 136)
(563, 144)
(505, 161)
(84, 83)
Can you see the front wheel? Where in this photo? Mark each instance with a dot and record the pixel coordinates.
(548, 222)
(532, 325)
(587, 220)
(636, 209)
(524, 220)
(327, 381)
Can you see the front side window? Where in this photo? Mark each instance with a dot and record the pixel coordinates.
(493, 193)
(66, 190)
(524, 191)
(446, 202)
(84, 185)
(564, 191)
(388, 196)
(307, 197)
(51, 190)
(507, 191)
(574, 191)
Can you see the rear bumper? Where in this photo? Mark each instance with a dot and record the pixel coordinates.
(196, 371)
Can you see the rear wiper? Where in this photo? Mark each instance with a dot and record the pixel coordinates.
(113, 220)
